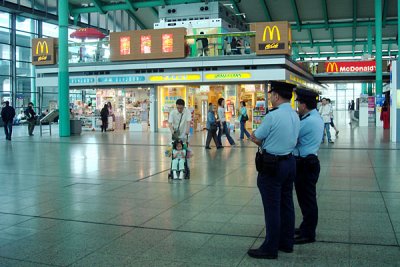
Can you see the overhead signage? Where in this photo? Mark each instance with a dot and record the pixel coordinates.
(121, 79)
(147, 44)
(82, 80)
(228, 76)
(167, 78)
(272, 37)
(350, 66)
(43, 51)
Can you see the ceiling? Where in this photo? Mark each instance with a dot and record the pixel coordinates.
(320, 27)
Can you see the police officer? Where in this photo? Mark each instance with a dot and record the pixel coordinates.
(307, 163)
(277, 136)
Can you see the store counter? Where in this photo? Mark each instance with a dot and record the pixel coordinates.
(76, 127)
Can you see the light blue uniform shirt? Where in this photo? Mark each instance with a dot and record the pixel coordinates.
(279, 130)
(311, 132)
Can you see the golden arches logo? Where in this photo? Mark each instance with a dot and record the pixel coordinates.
(43, 47)
(271, 33)
(332, 67)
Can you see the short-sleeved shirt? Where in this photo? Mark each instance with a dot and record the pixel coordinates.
(221, 114)
(310, 135)
(279, 130)
(175, 117)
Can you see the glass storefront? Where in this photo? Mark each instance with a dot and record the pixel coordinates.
(198, 97)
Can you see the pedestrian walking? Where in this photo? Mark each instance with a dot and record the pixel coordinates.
(332, 124)
(223, 125)
(211, 127)
(104, 118)
(242, 119)
(31, 118)
(7, 115)
(325, 112)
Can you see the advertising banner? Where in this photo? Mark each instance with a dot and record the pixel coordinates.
(147, 44)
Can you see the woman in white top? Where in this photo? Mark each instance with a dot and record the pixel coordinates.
(223, 127)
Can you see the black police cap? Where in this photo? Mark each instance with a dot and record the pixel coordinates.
(306, 94)
(281, 87)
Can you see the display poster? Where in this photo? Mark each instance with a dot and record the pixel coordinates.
(125, 45)
(371, 108)
(167, 43)
(145, 44)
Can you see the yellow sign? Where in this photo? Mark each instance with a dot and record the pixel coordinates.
(228, 76)
(184, 77)
(332, 67)
(297, 80)
(42, 46)
(271, 33)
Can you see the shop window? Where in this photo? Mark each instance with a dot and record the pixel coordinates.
(125, 45)
(167, 98)
(145, 44)
(167, 43)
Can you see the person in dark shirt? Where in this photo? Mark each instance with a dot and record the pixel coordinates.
(7, 115)
(204, 43)
(104, 113)
(31, 118)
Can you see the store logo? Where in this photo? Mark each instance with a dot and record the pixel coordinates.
(42, 51)
(271, 33)
(227, 76)
(332, 67)
(271, 45)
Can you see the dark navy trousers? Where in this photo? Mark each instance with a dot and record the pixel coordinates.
(305, 183)
(277, 196)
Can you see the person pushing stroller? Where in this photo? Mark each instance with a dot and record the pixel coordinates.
(179, 121)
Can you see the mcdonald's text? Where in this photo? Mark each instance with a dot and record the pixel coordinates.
(347, 66)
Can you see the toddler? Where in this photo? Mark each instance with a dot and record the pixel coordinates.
(178, 160)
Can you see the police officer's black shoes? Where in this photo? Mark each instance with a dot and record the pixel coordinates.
(298, 240)
(286, 250)
(259, 254)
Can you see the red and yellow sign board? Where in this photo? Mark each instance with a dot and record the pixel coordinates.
(272, 37)
(350, 66)
(147, 44)
(43, 52)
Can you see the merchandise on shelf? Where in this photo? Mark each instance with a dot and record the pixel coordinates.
(258, 116)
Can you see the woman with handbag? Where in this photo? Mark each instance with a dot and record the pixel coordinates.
(223, 126)
(211, 128)
(243, 118)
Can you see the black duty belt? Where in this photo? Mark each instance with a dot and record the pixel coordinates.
(279, 157)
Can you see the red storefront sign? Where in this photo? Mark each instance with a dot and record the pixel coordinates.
(347, 66)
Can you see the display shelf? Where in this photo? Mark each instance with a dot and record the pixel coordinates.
(258, 116)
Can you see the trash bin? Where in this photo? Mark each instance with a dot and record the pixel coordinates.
(76, 127)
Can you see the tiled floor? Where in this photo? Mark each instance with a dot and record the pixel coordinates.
(104, 200)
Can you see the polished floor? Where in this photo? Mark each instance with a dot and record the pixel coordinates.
(103, 199)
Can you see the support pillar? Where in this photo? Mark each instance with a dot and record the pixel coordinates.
(378, 45)
(370, 40)
(63, 75)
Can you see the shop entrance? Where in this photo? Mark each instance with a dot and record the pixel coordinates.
(198, 98)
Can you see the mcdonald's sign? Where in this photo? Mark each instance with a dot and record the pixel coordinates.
(350, 66)
(272, 37)
(43, 51)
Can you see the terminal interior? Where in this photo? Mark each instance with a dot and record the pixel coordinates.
(88, 198)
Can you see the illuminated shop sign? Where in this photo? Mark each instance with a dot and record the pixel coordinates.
(81, 80)
(121, 79)
(184, 77)
(271, 42)
(357, 66)
(228, 76)
(272, 38)
(43, 51)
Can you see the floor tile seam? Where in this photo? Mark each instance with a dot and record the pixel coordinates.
(194, 232)
(25, 260)
(384, 201)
